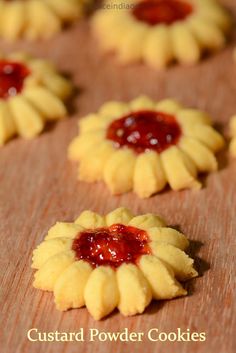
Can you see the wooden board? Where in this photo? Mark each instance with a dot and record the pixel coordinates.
(38, 186)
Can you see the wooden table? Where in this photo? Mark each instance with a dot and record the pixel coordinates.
(38, 186)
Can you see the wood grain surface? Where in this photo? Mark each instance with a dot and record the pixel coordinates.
(38, 187)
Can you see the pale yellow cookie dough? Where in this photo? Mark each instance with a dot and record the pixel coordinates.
(133, 38)
(148, 172)
(34, 19)
(81, 262)
(232, 145)
(39, 98)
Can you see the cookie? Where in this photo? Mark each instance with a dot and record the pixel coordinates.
(232, 145)
(145, 145)
(117, 260)
(160, 31)
(34, 19)
(32, 92)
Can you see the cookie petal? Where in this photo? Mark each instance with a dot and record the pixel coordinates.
(202, 156)
(141, 102)
(160, 278)
(70, 286)
(119, 171)
(67, 10)
(102, 23)
(27, 119)
(49, 105)
(42, 21)
(57, 84)
(113, 110)
(121, 215)
(208, 34)
(7, 125)
(81, 144)
(131, 47)
(232, 126)
(147, 221)
(49, 248)
(135, 292)
(169, 106)
(168, 236)
(64, 230)
(212, 12)
(179, 169)
(92, 165)
(90, 220)
(192, 117)
(205, 134)
(185, 46)
(46, 277)
(149, 175)
(180, 262)
(13, 20)
(158, 51)
(101, 292)
(232, 147)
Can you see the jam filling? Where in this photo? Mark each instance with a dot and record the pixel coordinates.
(154, 12)
(111, 246)
(145, 130)
(12, 76)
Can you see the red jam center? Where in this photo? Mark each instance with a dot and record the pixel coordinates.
(111, 246)
(154, 12)
(145, 130)
(12, 76)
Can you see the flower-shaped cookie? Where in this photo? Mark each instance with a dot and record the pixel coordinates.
(114, 261)
(160, 31)
(233, 135)
(31, 93)
(37, 18)
(144, 145)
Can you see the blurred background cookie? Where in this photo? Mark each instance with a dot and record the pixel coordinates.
(32, 92)
(161, 31)
(34, 19)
